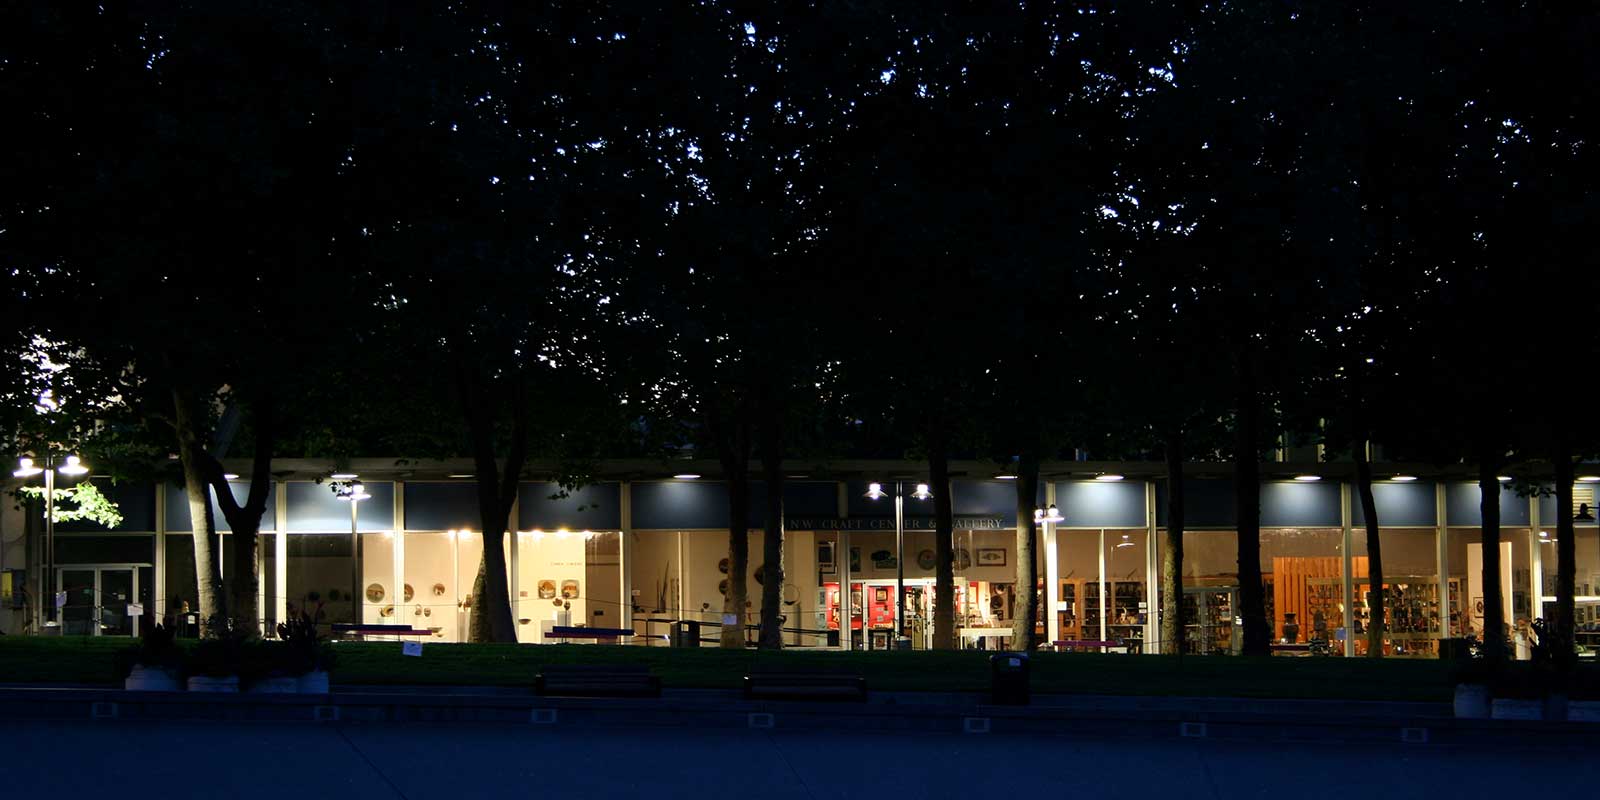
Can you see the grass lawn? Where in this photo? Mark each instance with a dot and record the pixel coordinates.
(90, 660)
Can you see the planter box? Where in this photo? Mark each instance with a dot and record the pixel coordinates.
(1471, 701)
(1517, 709)
(201, 683)
(283, 685)
(151, 679)
(314, 682)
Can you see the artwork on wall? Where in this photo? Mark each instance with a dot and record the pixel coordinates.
(880, 595)
(883, 559)
(569, 590)
(991, 556)
(963, 558)
(722, 566)
(438, 590)
(408, 593)
(374, 593)
(722, 587)
(855, 559)
(926, 560)
(761, 574)
(825, 557)
(547, 589)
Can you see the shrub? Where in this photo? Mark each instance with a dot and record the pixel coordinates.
(158, 648)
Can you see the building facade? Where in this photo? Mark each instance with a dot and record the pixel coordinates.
(644, 551)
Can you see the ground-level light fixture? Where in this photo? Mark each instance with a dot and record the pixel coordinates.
(1109, 477)
(1403, 478)
(1308, 478)
(686, 476)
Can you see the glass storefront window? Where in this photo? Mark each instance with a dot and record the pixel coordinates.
(1302, 570)
(1094, 608)
(567, 578)
(1467, 600)
(1410, 592)
(317, 577)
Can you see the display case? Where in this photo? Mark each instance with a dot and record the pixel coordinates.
(1208, 614)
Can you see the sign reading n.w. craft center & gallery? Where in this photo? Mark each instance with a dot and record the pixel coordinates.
(960, 523)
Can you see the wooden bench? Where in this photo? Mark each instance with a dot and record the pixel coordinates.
(797, 685)
(363, 631)
(575, 632)
(597, 680)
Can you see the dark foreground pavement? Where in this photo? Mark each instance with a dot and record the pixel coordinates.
(443, 761)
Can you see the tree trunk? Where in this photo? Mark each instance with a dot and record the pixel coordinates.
(1172, 554)
(1247, 501)
(772, 568)
(1564, 628)
(492, 619)
(1026, 613)
(733, 450)
(944, 582)
(210, 591)
(735, 602)
(1494, 624)
(1369, 509)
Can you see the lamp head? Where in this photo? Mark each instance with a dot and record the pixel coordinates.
(25, 468)
(73, 467)
(875, 491)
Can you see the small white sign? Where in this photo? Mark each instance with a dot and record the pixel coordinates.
(1063, 605)
(135, 610)
(411, 648)
(194, 618)
(61, 599)
(730, 619)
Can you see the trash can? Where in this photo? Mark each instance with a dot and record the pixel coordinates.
(1008, 679)
(833, 638)
(686, 633)
(902, 643)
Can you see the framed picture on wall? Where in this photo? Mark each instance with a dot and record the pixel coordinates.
(825, 558)
(855, 559)
(991, 556)
(880, 595)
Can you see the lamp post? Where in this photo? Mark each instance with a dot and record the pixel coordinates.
(875, 492)
(71, 466)
(352, 492)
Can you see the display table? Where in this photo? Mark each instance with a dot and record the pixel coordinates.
(976, 634)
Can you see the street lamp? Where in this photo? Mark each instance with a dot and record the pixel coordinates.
(1044, 518)
(72, 467)
(353, 492)
(875, 492)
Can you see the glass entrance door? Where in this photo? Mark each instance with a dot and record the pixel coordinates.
(77, 616)
(97, 601)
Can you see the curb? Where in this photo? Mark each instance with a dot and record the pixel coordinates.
(735, 714)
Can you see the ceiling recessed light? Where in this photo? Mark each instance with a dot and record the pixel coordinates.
(1404, 478)
(460, 475)
(1504, 478)
(1308, 478)
(344, 476)
(1589, 478)
(1006, 477)
(686, 476)
(1108, 477)
(229, 476)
